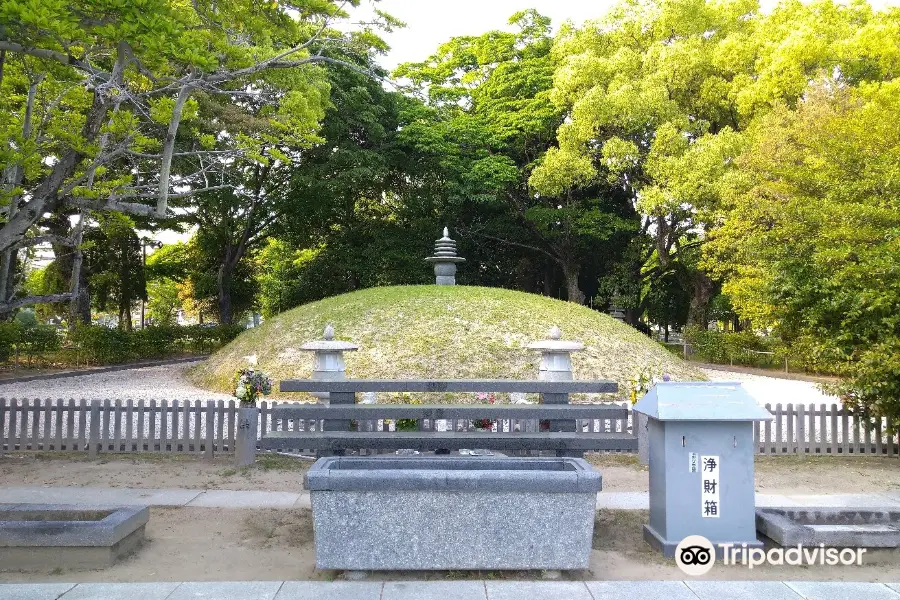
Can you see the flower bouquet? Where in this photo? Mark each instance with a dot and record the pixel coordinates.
(250, 384)
(484, 424)
(643, 382)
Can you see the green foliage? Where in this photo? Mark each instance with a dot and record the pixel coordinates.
(811, 237)
(103, 345)
(114, 263)
(163, 301)
(10, 334)
(26, 318)
(488, 123)
(25, 337)
(718, 347)
(37, 340)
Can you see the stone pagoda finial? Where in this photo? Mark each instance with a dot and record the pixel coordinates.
(445, 260)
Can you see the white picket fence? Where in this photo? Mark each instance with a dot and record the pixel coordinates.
(208, 427)
(823, 430)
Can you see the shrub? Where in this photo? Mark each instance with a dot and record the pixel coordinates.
(10, 334)
(38, 340)
(102, 345)
(739, 347)
(156, 341)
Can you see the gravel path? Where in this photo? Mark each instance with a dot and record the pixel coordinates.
(773, 390)
(169, 383)
(150, 383)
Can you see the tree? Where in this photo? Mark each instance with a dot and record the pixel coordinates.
(163, 301)
(114, 266)
(811, 235)
(490, 120)
(657, 93)
(117, 90)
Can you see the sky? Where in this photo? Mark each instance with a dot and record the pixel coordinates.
(432, 22)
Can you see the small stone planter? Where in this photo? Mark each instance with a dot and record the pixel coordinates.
(426, 513)
(245, 437)
(41, 536)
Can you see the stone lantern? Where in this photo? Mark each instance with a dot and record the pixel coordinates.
(556, 365)
(556, 356)
(329, 359)
(445, 260)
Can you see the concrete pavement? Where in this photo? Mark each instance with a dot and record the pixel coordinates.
(456, 590)
(261, 499)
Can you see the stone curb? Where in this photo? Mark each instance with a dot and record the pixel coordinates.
(195, 498)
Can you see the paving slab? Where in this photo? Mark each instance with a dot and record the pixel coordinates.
(250, 499)
(846, 500)
(623, 500)
(892, 497)
(742, 590)
(894, 586)
(33, 591)
(643, 590)
(303, 501)
(774, 501)
(97, 496)
(226, 590)
(842, 590)
(334, 590)
(434, 590)
(118, 591)
(537, 590)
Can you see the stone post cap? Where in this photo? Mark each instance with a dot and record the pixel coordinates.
(556, 344)
(329, 343)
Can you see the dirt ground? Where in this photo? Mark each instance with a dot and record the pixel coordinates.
(273, 473)
(774, 475)
(202, 544)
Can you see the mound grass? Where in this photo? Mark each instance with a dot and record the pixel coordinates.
(443, 332)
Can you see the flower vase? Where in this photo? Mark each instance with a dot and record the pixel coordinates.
(245, 436)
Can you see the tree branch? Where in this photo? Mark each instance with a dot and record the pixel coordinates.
(7, 307)
(169, 147)
(43, 239)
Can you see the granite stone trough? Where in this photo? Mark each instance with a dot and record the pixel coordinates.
(436, 513)
(39, 536)
(834, 527)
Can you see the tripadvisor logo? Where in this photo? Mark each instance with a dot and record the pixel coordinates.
(696, 555)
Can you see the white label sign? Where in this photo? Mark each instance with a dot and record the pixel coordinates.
(693, 462)
(709, 486)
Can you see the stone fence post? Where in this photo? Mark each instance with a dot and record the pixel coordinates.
(245, 436)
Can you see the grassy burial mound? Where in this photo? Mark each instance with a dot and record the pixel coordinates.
(443, 332)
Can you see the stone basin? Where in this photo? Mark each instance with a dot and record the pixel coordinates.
(438, 513)
(39, 536)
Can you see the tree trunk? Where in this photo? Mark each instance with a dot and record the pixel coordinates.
(76, 279)
(701, 293)
(224, 281)
(666, 333)
(570, 273)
